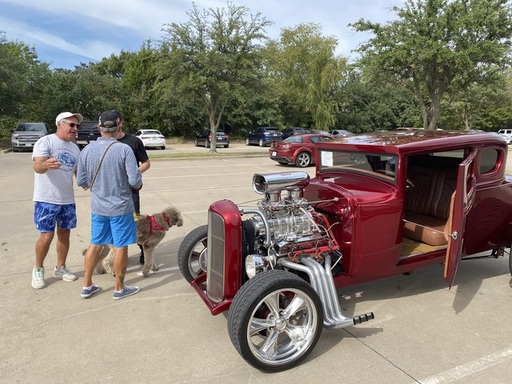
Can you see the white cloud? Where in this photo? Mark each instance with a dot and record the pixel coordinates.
(115, 25)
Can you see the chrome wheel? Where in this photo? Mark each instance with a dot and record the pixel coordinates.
(303, 160)
(275, 320)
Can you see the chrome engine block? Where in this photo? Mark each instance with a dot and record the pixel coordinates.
(285, 224)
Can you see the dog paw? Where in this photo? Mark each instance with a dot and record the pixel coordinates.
(155, 268)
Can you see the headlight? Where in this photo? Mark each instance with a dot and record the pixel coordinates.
(255, 264)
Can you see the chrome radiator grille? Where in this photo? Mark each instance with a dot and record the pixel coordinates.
(215, 263)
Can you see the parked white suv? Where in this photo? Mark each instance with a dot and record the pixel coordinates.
(506, 134)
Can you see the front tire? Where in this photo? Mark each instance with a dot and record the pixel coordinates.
(275, 320)
(303, 160)
(261, 143)
(192, 248)
(510, 260)
(247, 142)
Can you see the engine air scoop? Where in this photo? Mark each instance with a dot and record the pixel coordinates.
(272, 182)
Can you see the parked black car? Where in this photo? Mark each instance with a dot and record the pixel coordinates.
(88, 132)
(287, 132)
(205, 139)
(263, 136)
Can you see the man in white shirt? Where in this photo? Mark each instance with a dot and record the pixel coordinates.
(55, 159)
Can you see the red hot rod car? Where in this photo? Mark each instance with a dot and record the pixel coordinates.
(380, 204)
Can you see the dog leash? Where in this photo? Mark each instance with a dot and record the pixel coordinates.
(99, 164)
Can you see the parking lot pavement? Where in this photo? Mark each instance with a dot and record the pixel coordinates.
(423, 332)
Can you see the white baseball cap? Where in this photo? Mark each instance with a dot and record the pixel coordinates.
(65, 115)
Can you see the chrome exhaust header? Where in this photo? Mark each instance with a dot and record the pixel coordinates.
(322, 282)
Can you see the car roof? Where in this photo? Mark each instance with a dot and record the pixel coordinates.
(413, 141)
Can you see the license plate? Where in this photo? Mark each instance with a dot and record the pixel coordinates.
(274, 153)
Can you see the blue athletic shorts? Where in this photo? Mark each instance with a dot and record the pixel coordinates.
(118, 230)
(47, 215)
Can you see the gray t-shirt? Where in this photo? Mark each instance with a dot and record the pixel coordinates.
(117, 175)
(56, 185)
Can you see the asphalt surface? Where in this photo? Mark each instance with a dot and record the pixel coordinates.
(423, 332)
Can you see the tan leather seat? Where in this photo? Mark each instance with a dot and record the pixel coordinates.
(428, 204)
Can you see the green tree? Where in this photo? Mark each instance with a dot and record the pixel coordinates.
(85, 89)
(368, 105)
(306, 72)
(211, 57)
(21, 77)
(486, 107)
(438, 47)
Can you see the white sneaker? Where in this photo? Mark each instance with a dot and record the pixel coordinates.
(63, 273)
(38, 278)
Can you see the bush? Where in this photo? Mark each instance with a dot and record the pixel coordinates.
(7, 124)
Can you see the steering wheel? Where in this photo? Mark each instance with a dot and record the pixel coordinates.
(409, 183)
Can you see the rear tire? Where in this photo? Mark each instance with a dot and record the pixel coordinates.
(303, 160)
(261, 143)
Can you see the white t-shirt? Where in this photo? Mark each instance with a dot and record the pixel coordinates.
(56, 186)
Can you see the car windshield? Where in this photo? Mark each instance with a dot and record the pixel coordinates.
(31, 127)
(151, 133)
(379, 165)
(294, 139)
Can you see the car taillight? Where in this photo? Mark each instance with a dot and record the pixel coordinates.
(226, 136)
(209, 137)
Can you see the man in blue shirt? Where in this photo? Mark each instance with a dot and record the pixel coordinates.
(109, 169)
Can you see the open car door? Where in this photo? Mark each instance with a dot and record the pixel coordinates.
(462, 202)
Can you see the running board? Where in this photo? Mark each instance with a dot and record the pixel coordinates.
(322, 282)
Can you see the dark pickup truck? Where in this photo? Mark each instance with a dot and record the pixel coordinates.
(88, 132)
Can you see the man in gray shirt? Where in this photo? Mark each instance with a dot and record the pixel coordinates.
(109, 169)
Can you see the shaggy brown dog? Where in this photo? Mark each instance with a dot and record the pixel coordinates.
(151, 229)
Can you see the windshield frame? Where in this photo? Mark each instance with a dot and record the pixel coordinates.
(381, 166)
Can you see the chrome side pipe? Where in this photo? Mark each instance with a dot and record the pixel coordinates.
(322, 282)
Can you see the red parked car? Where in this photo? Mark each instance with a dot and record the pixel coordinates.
(298, 150)
(380, 204)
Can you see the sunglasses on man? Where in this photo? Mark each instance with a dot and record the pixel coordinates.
(72, 125)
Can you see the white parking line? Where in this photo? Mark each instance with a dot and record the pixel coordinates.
(468, 369)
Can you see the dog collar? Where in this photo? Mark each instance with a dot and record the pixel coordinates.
(167, 219)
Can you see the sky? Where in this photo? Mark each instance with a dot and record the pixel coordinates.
(66, 33)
